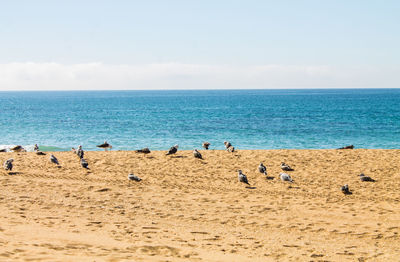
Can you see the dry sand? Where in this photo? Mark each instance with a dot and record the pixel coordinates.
(186, 209)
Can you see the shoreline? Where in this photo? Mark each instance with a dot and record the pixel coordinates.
(222, 150)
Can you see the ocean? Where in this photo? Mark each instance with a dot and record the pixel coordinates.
(249, 119)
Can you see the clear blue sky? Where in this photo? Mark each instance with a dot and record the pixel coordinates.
(354, 34)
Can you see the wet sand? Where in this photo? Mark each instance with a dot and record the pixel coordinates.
(186, 209)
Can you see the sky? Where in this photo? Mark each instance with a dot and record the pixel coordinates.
(177, 44)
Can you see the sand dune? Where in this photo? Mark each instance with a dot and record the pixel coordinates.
(187, 209)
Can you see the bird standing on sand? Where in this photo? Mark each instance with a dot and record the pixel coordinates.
(205, 145)
(132, 177)
(347, 147)
(365, 178)
(227, 144)
(286, 177)
(84, 163)
(262, 169)
(105, 146)
(53, 159)
(8, 164)
(242, 177)
(145, 150)
(229, 147)
(36, 148)
(173, 150)
(17, 148)
(80, 152)
(345, 189)
(197, 154)
(286, 167)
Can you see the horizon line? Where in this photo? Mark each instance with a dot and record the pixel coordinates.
(202, 89)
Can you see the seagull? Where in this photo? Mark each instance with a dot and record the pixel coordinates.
(132, 177)
(286, 167)
(84, 163)
(197, 154)
(36, 148)
(347, 147)
(17, 148)
(8, 164)
(53, 159)
(145, 150)
(105, 145)
(242, 177)
(173, 150)
(80, 152)
(231, 149)
(227, 144)
(205, 145)
(345, 189)
(262, 169)
(286, 177)
(365, 178)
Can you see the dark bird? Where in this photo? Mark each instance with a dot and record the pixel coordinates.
(242, 177)
(132, 177)
(365, 178)
(262, 169)
(286, 177)
(53, 159)
(36, 148)
(205, 145)
(145, 150)
(231, 149)
(197, 154)
(173, 150)
(40, 153)
(80, 152)
(84, 163)
(8, 164)
(345, 190)
(105, 146)
(286, 167)
(347, 147)
(17, 148)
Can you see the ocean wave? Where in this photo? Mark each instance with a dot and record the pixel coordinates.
(29, 148)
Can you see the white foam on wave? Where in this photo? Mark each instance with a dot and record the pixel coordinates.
(28, 148)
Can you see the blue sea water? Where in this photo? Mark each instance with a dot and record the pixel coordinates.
(250, 119)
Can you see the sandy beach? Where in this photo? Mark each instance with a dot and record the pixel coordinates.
(187, 209)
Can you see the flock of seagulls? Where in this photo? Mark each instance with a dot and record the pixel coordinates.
(8, 164)
(263, 170)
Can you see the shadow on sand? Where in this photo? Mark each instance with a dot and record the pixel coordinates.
(14, 173)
